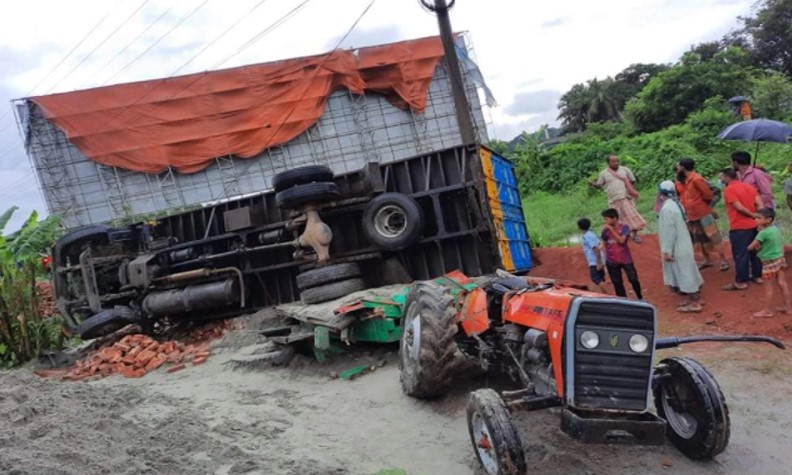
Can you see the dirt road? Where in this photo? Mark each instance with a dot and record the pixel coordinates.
(213, 419)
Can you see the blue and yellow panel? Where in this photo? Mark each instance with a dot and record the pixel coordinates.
(503, 195)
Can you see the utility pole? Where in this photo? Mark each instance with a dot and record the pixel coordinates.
(440, 8)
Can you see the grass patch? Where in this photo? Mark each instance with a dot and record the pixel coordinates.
(552, 218)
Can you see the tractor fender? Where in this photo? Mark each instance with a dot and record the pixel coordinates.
(474, 318)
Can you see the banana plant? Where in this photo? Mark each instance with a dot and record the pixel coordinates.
(23, 332)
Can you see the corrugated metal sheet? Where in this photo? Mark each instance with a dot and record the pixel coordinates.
(514, 243)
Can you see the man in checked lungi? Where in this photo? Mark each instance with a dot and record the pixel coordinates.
(617, 181)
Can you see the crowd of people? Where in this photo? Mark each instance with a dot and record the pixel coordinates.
(687, 220)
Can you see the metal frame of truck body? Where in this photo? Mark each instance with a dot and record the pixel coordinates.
(456, 190)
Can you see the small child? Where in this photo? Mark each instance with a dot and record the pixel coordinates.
(592, 249)
(617, 254)
(771, 253)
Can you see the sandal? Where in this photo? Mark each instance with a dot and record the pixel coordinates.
(763, 314)
(704, 265)
(758, 281)
(724, 266)
(734, 286)
(689, 309)
(637, 239)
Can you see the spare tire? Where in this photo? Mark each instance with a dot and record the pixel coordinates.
(301, 176)
(327, 274)
(299, 195)
(331, 291)
(393, 221)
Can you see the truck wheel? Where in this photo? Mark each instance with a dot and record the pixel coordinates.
(103, 323)
(691, 402)
(393, 221)
(331, 291)
(428, 347)
(327, 274)
(301, 176)
(496, 440)
(299, 195)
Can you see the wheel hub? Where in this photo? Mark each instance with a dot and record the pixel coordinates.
(486, 452)
(390, 221)
(683, 423)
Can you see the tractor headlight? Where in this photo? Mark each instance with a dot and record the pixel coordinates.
(639, 343)
(589, 339)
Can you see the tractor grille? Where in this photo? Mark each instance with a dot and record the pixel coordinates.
(612, 376)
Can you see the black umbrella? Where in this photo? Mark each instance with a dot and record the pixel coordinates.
(758, 130)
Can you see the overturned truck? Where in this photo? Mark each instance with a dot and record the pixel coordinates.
(316, 236)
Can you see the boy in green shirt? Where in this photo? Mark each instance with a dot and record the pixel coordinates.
(771, 253)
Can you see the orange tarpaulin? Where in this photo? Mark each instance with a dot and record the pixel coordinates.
(185, 122)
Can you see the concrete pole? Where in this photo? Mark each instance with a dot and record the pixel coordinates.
(463, 114)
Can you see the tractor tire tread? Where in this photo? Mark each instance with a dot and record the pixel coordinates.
(298, 195)
(438, 350)
(506, 437)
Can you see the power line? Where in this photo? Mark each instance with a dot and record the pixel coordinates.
(280, 21)
(123, 50)
(79, 43)
(90, 53)
(178, 24)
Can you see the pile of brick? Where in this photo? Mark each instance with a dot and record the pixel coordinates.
(135, 355)
(46, 299)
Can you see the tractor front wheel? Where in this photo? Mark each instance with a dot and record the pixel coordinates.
(691, 402)
(428, 348)
(494, 437)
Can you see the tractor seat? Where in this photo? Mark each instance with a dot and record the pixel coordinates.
(501, 286)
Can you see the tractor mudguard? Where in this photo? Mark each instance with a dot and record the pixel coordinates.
(474, 318)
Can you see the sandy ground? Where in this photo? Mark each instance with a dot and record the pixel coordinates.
(215, 419)
(222, 419)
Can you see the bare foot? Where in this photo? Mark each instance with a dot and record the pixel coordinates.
(782, 309)
(763, 314)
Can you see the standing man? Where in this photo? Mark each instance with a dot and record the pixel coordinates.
(696, 198)
(742, 204)
(617, 181)
(761, 181)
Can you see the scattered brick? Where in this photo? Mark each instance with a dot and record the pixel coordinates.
(178, 367)
(199, 360)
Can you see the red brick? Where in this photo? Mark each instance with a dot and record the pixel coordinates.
(144, 357)
(203, 354)
(178, 367)
(155, 363)
(134, 351)
(128, 359)
(200, 360)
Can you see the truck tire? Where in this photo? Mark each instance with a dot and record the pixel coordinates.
(428, 348)
(299, 195)
(301, 176)
(692, 403)
(494, 437)
(332, 291)
(327, 274)
(103, 323)
(393, 221)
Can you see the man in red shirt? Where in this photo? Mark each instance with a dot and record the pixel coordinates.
(742, 203)
(761, 181)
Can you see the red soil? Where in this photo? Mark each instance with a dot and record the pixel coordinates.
(724, 312)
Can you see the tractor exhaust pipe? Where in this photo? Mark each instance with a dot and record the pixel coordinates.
(673, 342)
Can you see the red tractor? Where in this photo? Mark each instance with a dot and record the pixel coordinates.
(592, 355)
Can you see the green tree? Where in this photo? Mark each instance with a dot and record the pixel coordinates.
(672, 95)
(772, 96)
(770, 35)
(595, 101)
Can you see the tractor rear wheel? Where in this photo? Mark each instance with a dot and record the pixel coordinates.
(496, 440)
(691, 402)
(428, 348)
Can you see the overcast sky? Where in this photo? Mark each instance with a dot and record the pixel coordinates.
(529, 52)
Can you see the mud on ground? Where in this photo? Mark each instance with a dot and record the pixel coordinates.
(222, 419)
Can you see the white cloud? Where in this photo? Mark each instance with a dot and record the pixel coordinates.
(545, 45)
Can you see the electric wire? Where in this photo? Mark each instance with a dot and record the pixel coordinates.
(101, 43)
